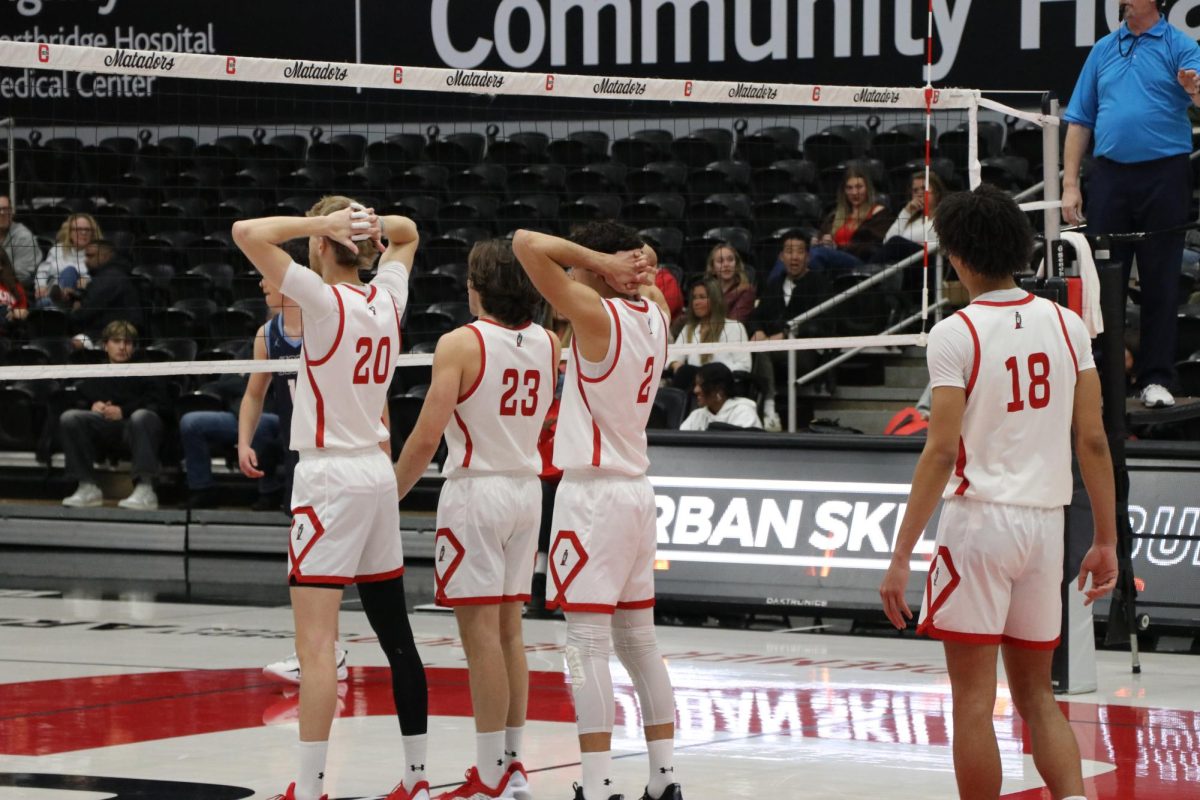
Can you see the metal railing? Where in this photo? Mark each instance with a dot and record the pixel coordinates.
(7, 166)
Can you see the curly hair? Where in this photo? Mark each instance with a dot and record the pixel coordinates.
(505, 291)
(342, 255)
(606, 236)
(986, 230)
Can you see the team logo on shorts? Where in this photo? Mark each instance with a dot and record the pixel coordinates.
(942, 581)
(305, 531)
(567, 558)
(448, 553)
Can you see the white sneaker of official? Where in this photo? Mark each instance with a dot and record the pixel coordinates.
(88, 495)
(142, 498)
(1156, 396)
(288, 670)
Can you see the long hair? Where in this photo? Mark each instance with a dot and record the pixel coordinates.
(740, 278)
(844, 211)
(63, 236)
(8, 276)
(710, 329)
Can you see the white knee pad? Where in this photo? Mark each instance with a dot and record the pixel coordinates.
(587, 652)
(638, 650)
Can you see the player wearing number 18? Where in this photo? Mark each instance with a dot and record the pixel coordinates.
(345, 524)
(492, 384)
(1012, 375)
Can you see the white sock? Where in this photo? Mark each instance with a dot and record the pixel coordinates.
(489, 757)
(768, 406)
(512, 744)
(415, 748)
(597, 775)
(662, 766)
(310, 780)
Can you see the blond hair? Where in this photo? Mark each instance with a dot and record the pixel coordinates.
(343, 256)
(63, 236)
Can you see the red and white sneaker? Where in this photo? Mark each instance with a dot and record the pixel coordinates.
(518, 782)
(290, 794)
(475, 789)
(419, 792)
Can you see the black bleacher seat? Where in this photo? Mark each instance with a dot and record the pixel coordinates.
(202, 182)
(519, 149)
(472, 210)
(719, 177)
(657, 176)
(288, 150)
(739, 238)
(1188, 372)
(185, 214)
(46, 322)
(456, 269)
(655, 210)
(432, 287)
(170, 349)
(234, 208)
(455, 150)
(590, 208)
(703, 146)
(394, 155)
(901, 177)
(374, 178)
(413, 145)
(717, 210)
(42, 351)
(427, 179)
(895, 147)
(598, 178)
(153, 282)
(307, 179)
(767, 145)
(227, 350)
(478, 179)
(666, 241)
(453, 245)
(528, 211)
(256, 179)
(187, 318)
(1010, 173)
(836, 144)
(864, 314)
(786, 175)
(1188, 331)
(579, 148)
(220, 275)
(955, 144)
(670, 407)
(403, 411)
(428, 324)
(23, 407)
(642, 147)
(245, 285)
(1026, 142)
(221, 159)
(164, 247)
(538, 179)
(232, 323)
(256, 307)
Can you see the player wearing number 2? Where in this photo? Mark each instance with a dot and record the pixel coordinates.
(492, 384)
(603, 533)
(345, 525)
(1012, 375)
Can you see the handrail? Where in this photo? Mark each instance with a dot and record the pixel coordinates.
(10, 123)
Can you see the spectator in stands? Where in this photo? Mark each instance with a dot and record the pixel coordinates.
(854, 230)
(120, 411)
(665, 282)
(18, 242)
(64, 271)
(110, 295)
(715, 404)
(706, 323)
(783, 299)
(14, 306)
(725, 264)
(910, 231)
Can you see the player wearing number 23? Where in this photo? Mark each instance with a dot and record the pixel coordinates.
(1012, 377)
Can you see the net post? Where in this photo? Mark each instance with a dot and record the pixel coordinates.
(791, 381)
(1051, 190)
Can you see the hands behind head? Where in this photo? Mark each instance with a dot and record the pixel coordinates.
(628, 270)
(355, 224)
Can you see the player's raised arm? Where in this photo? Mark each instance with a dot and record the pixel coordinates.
(260, 239)
(544, 258)
(403, 239)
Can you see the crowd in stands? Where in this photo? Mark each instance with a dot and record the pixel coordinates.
(136, 262)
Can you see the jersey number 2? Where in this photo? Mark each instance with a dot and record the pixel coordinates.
(644, 389)
(378, 372)
(512, 380)
(1038, 367)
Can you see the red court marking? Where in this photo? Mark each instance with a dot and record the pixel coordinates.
(1156, 751)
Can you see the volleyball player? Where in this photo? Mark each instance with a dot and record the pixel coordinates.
(1012, 374)
(493, 382)
(602, 553)
(345, 525)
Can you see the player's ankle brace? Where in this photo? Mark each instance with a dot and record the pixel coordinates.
(587, 652)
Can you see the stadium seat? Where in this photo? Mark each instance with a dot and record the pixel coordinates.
(46, 322)
(642, 147)
(472, 210)
(740, 238)
(456, 150)
(657, 176)
(425, 179)
(667, 242)
(519, 149)
(528, 211)
(429, 324)
(670, 407)
(478, 179)
(786, 175)
(703, 146)
(767, 145)
(413, 145)
(718, 210)
(658, 209)
(896, 147)
(836, 144)
(579, 148)
(403, 411)
(538, 179)
(41, 351)
(1188, 332)
(23, 412)
(432, 287)
(865, 314)
(393, 155)
(170, 349)
(954, 144)
(453, 245)
(599, 178)
(591, 208)
(1010, 173)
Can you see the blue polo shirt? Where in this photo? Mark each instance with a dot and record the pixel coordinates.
(1129, 96)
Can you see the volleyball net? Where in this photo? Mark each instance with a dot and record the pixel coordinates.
(694, 166)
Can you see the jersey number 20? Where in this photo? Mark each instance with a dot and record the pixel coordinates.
(381, 369)
(512, 380)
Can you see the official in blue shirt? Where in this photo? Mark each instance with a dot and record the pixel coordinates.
(1134, 92)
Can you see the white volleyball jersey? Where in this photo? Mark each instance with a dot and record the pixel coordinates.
(497, 421)
(605, 406)
(351, 342)
(1017, 357)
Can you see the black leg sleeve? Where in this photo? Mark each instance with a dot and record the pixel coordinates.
(383, 601)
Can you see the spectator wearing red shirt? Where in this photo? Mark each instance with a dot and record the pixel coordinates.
(14, 306)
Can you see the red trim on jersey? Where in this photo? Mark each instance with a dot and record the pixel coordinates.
(612, 309)
(341, 327)
(634, 604)
(482, 365)
(1024, 300)
(467, 447)
(319, 439)
(643, 308)
(371, 294)
(1029, 644)
(446, 537)
(579, 379)
(297, 558)
(354, 288)
(960, 466)
(399, 332)
(375, 577)
(553, 364)
(499, 324)
(943, 555)
(300, 580)
(975, 342)
(1063, 324)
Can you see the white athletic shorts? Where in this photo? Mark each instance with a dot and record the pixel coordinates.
(345, 519)
(603, 542)
(996, 576)
(487, 529)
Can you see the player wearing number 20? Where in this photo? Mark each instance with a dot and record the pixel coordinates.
(1012, 375)
(345, 524)
(492, 384)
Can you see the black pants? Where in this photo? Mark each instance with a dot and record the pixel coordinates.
(1147, 196)
(84, 431)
